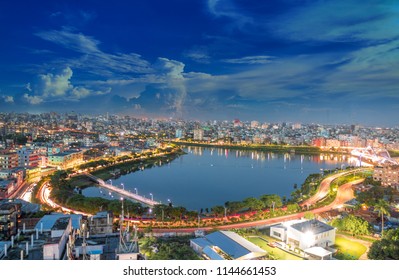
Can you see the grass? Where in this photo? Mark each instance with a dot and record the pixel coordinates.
(348, 249)
(276, 252)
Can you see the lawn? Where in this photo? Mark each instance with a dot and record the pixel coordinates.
(348, 249)
(276, 252)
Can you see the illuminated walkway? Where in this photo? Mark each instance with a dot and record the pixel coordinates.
(122, 192)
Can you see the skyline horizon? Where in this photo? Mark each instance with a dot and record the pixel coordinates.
(204, 59)
(203, 120)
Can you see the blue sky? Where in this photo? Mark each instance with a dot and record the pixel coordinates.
(287, 60)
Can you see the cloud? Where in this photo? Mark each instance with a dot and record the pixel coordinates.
(227, 9)
(92, 58)
(33, 99)
(8, 98)
(56, 85)
(80, 92)
(173, 70)
(258, 59)
(352, 20)
(28, 87)
(74, 41)
(198, 54)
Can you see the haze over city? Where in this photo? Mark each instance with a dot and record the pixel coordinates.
(313, 61)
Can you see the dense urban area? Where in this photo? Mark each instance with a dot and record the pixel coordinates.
(47, 159)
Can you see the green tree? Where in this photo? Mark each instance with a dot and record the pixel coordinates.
(253, 203)
(382, 208)
(293, 207)
(309, 215)
(270, 199)
(355, 225)
(387, 248)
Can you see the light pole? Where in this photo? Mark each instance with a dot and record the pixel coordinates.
(123, 186)
(135, 189)
(152, 197)
(273, 205)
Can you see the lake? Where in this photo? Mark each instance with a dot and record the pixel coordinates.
(206, 177)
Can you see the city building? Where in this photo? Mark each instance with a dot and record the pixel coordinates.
(198, 134)
(28, 157)
(9, 213)
(66, 159)
(388, 175)
(101, 223)
(55, 247)
(179, 133)
(8, 160)
(226, 245)
(310, 236)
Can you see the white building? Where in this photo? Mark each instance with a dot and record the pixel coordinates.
(198, 134)
(310, 236)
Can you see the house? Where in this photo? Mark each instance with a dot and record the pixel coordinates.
(101, 223)
(309, 236)
(226, 245)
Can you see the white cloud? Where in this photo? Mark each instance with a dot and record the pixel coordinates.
(8, 98)
(340, 20)
(257, 59)
(56, 85)
(28, 87)
(93, 59)
(80, 92)
(33, 99)
(226, 8)
(198, 54)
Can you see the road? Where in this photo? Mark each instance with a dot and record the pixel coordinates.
(44, 196)
(324, 187)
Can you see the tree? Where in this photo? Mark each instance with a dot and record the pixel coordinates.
(355, 225)
(253, 203)
(293, 207)
(271, 199)
(387, 248)
(383, 209)
(309, 215)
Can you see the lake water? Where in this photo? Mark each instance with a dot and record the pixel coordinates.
(206, 177)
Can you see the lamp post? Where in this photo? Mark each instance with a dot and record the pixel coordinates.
(152, 197)
(123, 186)
(135, 189)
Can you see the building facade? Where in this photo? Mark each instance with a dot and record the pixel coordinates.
(388, 175)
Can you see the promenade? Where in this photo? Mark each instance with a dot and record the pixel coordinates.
(122, 192)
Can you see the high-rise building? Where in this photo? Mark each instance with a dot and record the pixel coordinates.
(8, 160)
(198, 134)
(179, 133)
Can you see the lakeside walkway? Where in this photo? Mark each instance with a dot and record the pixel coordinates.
(122, 192)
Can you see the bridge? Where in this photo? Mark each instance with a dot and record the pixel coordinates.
(374, 156)
(122, 192)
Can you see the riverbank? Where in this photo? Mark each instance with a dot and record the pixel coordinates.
(306, 150)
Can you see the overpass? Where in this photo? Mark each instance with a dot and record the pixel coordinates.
(122, 192)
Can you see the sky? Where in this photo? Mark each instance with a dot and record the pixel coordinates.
(288, 60)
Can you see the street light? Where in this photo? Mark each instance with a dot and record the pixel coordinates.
(123, 186)
(135, 189)
(152, 197)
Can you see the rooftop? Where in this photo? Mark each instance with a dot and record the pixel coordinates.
(314, 226)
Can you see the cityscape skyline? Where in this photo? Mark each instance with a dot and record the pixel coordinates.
(280, 61)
